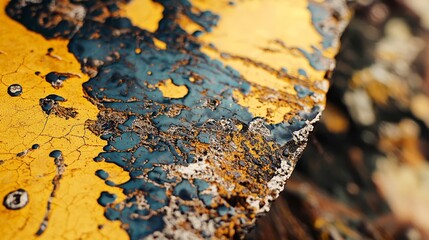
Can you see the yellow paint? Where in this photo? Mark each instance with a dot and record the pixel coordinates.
(171, 90)
(144, 14)
(255, 75)
(250, 26)
(268, 33)
(159, 44)
(263, 104)
(75, 212)
(188, 25)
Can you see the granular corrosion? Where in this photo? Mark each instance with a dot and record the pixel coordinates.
(200, 165)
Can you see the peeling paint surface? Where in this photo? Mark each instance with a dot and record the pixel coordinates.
(187, 112)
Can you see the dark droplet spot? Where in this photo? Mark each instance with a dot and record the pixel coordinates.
(14, 90)
(55, 154)
(57, 79)
(51, 104)
(55, 98)
(54, 79)
(16, 199)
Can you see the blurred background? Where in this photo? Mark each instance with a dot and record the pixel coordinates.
(365, 172)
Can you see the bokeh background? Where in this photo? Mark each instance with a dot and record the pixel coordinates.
(365, 172)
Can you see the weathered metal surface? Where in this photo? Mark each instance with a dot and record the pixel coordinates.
(194, 112)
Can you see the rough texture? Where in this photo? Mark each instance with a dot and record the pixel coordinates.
(202, 163)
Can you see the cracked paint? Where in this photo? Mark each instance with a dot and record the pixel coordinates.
(193, 126)
(76, 213)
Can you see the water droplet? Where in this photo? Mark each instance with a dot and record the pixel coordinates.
(14, 90)
(56, 154)
(35, 146)
(16, 199)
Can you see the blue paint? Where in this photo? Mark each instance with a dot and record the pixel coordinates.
(54, 77)
(222, 210)
(302, 91)
(206, 199)
(136, 173)
(102, 174)
(127, 140)
(319, 17)
(55, 98)
(184, 209)
(56, 154)
(155, 196)
(302, 72)
(185, 190)
(106, 198)
(310, 115)
(160, 176)
(197, 33)
(201, 185)
(50, 102)
(204, 137)
(110, 183)
(137, 228)
(316, 59)
(47, 106)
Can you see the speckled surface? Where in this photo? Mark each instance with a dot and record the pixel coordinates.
(200, 163)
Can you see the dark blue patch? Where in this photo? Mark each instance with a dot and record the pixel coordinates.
(319, 14)
(185, 190)
(106, 198)
(56, 154)
(160, 176)
(55, 97)
(222, 210)
(102, 174)
(302, 91)
(110, 183)
(201, 184)
(184, 209)
(207, 199)
(302, 72)
(127, 140)
(316, 59)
